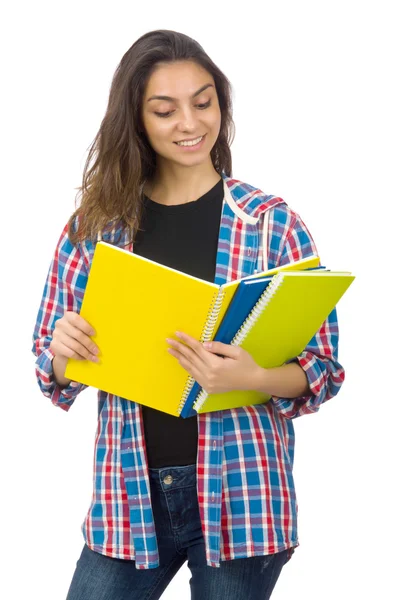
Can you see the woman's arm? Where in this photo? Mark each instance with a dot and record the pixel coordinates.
(288, 381)
(319, 360)
(63, 291)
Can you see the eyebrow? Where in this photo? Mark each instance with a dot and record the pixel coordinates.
(207, 85)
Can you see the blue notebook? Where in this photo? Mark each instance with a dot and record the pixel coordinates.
(246, 296)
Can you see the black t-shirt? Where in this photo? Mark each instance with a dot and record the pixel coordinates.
(184, 237)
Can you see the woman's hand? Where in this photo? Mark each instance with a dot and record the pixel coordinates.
(71, 339)
(235, 369)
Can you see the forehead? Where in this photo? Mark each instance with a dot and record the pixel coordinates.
(178, 79)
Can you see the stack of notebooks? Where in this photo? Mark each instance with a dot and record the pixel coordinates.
(134, 304)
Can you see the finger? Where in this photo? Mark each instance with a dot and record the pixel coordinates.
(195, 345)
(224, 349)
(78, 321)
(188, 339)
(84, 340)
(66, 352)
(184, 350)
(71, 348)
(73, 332)
(190, 367)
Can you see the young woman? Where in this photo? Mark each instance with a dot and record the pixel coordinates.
(216, 490)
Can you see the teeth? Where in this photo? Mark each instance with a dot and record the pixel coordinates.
(192, 143)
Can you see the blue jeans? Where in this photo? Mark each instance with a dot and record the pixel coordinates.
(179, 537)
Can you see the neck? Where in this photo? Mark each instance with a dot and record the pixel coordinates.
(175, 184)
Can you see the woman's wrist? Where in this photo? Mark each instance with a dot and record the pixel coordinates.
(260, 380)
(59, 366)
(287, 381)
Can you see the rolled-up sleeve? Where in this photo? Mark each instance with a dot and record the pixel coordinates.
(319, 359)
(63, 291)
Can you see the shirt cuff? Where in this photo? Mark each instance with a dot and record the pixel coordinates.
(59, 396)
(294, 407)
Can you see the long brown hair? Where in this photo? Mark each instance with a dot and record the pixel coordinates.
(112, 188)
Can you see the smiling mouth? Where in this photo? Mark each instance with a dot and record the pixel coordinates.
(190, 142)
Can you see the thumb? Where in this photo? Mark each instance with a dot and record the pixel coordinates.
(222, 349)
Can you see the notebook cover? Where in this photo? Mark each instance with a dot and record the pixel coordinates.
(299, 305)
(134, 304)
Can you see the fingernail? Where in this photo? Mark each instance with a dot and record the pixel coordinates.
(207, 345)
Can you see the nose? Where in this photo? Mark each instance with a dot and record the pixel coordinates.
(187, 121)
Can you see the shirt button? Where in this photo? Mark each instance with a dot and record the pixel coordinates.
(168, 479)
(214, 445)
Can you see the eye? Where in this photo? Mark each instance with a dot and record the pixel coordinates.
(163, 115)
(205, 105)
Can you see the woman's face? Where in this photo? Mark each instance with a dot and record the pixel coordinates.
(181, 104)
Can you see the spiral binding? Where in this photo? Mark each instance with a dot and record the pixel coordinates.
(246, 327)
(257, 310)
(206, 335)
(201, 398)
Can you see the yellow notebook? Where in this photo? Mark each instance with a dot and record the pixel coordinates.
(134, 304)
(282, 323)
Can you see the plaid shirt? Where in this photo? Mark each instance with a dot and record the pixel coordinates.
(245, 456)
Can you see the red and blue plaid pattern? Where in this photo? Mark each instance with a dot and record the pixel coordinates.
(245, 456)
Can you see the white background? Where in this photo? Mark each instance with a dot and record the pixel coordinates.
(315, 112)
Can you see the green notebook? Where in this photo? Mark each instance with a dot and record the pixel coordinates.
(284, 320)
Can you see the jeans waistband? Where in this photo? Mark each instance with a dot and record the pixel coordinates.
(167, 478)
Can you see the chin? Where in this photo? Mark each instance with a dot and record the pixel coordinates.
(192, 161)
